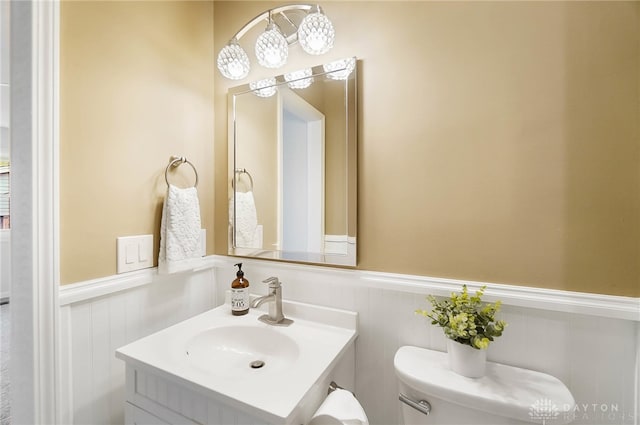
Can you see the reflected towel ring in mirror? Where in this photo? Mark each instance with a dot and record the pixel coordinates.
(176, 161)
(243, 171)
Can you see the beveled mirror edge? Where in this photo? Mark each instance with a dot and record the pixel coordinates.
(320, 259)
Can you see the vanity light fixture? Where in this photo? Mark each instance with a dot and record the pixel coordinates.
(233, 61)
(316, 33)
(286, 25)
(272, 48)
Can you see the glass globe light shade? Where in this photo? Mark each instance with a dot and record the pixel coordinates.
(299, 79)
(264, 88)
(272, 48)
(233, 61)
(340, 69)
(316, 33)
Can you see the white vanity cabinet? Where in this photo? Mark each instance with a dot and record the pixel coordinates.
(152, 399)
(167, 382)
(135, 415)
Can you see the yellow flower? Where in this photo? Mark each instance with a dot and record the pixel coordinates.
(465, 319)
(481, 343)
(459, 323)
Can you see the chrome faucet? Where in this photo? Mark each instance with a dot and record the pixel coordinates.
(275, 316)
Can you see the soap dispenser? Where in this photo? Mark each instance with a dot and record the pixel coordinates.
(239, 293)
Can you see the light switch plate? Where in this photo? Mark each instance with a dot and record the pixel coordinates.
(134, 253)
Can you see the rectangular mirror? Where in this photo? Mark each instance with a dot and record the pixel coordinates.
(293, 166)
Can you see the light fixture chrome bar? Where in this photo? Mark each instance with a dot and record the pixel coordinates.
(265, 15)
(286, 18)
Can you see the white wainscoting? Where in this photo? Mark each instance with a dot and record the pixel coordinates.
(95, 322)
(594, 351)
(590, 342)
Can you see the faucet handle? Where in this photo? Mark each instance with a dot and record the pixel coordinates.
(272, 281)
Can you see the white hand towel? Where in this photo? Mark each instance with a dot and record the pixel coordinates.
(180, 231)
(248, 233)
(340, 408)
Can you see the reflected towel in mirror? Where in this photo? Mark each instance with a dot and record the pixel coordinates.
(248, 232)
(180, 247)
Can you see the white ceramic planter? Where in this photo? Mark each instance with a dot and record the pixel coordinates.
(466, 360)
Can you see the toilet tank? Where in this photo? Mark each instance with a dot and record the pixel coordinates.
(505, 395)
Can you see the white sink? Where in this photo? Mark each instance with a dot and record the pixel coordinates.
(212, 354)
(242, 352)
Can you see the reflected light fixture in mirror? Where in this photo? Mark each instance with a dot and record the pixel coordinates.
(303, 78)
(299, 79)
(340, 69)
(264, 88)
(286, 25)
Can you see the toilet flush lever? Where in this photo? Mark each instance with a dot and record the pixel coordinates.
(421, 406)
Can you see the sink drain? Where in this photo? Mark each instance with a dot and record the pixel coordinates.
(256, 364)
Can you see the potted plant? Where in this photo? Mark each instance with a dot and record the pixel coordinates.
(469, 325)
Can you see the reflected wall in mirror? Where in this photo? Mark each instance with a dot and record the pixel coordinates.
(292, 166)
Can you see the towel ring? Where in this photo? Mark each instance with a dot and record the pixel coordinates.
(243, 171)
(176, 161)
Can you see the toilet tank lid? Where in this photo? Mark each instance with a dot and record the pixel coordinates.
(508, 391)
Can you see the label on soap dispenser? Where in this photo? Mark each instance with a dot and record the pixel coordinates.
(239, 299)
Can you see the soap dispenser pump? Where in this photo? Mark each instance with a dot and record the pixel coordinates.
(239, 293)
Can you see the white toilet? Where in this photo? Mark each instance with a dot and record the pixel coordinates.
(430, 393)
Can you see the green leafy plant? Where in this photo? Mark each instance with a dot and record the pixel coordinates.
(466, 319)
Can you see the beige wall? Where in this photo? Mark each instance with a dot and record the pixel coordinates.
(497, 141)
(136, 86)
(335, 157)
(257, 135)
